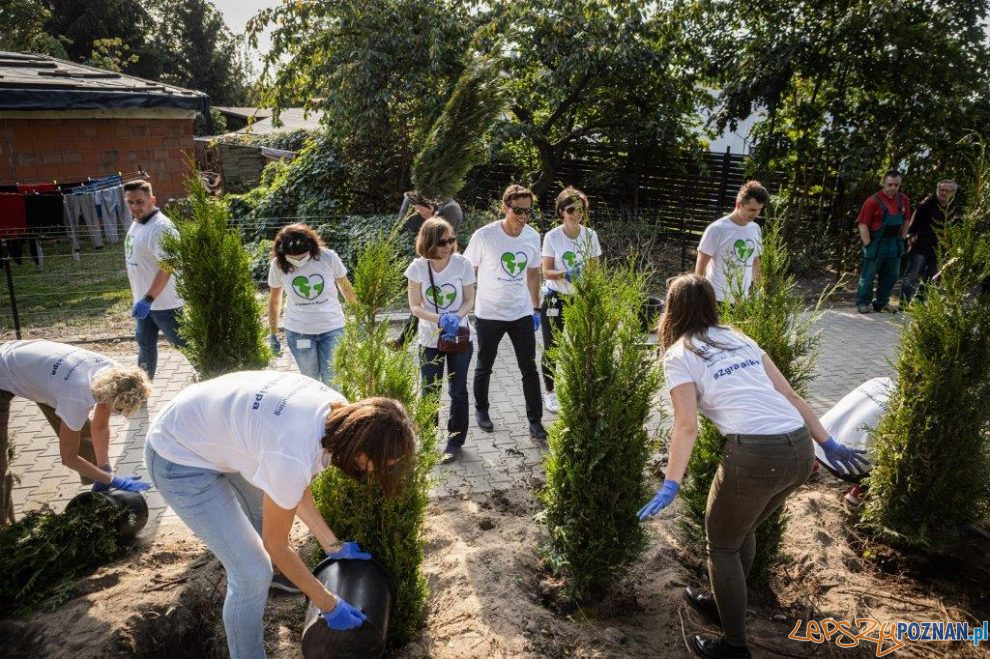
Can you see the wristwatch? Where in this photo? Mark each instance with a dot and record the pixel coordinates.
(149, 298)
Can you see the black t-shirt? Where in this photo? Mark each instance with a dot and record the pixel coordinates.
(928, 217)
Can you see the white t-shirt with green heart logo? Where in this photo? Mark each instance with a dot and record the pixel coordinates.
(502, 261)
(447, 292)
(312, 305)
(567, 253)
(733, 249)
(143, 255)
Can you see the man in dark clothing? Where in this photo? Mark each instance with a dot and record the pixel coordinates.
(922, 261)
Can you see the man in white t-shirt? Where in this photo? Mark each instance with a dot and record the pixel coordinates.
(506, 255)
(729, 251)
(157, 305)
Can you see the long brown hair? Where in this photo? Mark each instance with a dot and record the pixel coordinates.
(295, 239)
(379, 428)
(689, 311)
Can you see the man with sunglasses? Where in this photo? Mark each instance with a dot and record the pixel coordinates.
(506, 255)
(422, 210)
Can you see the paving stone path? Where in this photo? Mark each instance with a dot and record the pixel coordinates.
(854, 348)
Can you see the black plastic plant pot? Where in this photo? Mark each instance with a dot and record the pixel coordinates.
(131, 504)
(366, 585)
(649, 314)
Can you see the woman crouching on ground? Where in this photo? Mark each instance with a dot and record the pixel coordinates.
(234, 457)
(768, 452)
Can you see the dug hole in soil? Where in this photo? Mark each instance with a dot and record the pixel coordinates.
(490, 596)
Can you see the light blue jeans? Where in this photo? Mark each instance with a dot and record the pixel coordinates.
(316, 360)
(224, 510)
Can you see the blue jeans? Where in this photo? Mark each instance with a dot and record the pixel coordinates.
(431, 363)
(316, 360)
(146, 332)
(224, 510)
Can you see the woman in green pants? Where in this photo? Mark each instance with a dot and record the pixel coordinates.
(725, 375)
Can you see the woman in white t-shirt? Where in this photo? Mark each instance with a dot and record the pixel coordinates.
(70, 384)
(441, 294)
(311, 275)
(723, 374)
(234, 457)
(566, 250)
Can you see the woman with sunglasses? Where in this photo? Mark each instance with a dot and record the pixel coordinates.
(567, 248)
(314, 320)
(234, 457)
(725, 375)
(441, 294)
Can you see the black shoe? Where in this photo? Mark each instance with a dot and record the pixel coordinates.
(703, 603)
(537, 432)
(717, 648)
(451, 453)
(484, 421)
(281, 582)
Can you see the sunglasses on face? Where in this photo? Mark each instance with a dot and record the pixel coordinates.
(573, 209)
(519, 210)
(443, 242)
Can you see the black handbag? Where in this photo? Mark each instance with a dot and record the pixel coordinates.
(461, 342)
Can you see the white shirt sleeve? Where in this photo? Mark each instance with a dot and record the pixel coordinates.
(475, 249)
(413, 272)
(548, 247)
(467, 273)
(274, 281)
(676, 370)
(338, 267)
(73, 412)
(596, 248)
(709, 241)
(534, 247)
(282, 477)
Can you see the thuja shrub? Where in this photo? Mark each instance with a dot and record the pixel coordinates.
(606, 381)
(44, 553)
(774, 316)
(221, 319)
(931, 452)
(391, 529)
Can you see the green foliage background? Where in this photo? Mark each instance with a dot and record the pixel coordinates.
(605, 381)
(391, 529)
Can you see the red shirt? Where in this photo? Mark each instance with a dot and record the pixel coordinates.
(872, 217)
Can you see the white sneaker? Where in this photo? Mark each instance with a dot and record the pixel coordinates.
(551, 403)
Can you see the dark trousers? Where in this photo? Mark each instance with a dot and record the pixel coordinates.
(920, 270)
(551, 324)
(523, 337)
(754, 478)
(431, 363)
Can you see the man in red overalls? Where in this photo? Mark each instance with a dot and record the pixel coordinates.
(882, 224)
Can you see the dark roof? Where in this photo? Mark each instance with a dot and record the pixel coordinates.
(244, 112)
(41, 82)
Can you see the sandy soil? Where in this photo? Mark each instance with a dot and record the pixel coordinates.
(492, 598)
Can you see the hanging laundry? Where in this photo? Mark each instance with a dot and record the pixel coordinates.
(13, 218)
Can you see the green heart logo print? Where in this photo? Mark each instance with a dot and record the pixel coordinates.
(442, 296)
(308, 287)
(129, 246)
(514, 263)
(570, 259)
(744, 249)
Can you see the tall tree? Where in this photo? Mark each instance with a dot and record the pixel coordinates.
(205, 54)
(380, 71)
(583, 71)
(24, 28)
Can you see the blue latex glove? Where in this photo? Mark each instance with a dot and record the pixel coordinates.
(141, 309)
(343, 616)
(106, 487)
(849, 459)
(449, 323)
(536, 322)
(275, 346)
(350, 550)
(573, 273)
(129, 484)
(664, 497)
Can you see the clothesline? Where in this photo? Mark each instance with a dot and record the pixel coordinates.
(140, 173)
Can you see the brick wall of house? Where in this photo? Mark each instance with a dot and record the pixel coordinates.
(37, 150)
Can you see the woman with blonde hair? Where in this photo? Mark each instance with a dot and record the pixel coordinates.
(310, 274)
(69, 384)
(725, 375)
(441, 294)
